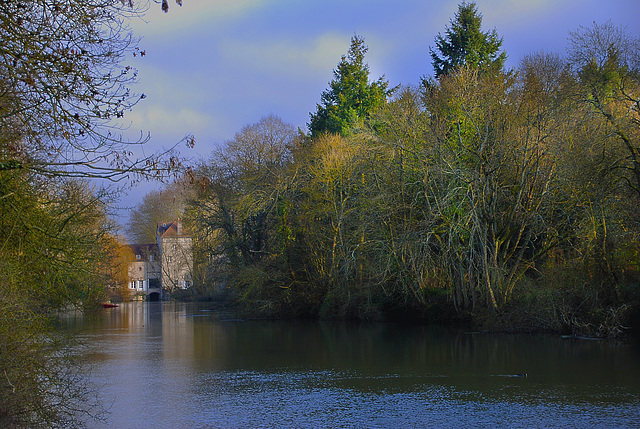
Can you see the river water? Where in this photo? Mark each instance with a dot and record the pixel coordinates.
(181, 365)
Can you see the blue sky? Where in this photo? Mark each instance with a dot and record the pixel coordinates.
(214, 66)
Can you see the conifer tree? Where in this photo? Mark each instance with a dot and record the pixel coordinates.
(350, 97)
(465, 44)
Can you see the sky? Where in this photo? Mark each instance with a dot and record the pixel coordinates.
(212, 67)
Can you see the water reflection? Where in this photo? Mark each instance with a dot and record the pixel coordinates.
(182, 365)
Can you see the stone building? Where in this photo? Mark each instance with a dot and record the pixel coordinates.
(175, 245)
(145, 272)
(160, 268)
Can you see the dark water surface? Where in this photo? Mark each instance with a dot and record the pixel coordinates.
(177, 365)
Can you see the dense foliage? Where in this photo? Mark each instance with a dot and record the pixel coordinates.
(63, 89)
(506, 199)
(56, 252)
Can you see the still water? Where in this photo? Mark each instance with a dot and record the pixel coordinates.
(179, 365)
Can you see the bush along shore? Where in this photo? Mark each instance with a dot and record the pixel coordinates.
(504, 199)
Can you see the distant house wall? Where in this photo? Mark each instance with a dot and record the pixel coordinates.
(175, 245)
(144, 270)
(177, 261)
(165, 265)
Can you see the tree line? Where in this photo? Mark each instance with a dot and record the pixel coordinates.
(503, 198)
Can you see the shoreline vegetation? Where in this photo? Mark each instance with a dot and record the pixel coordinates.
(499, 199)
(526, 316)
(504, 200)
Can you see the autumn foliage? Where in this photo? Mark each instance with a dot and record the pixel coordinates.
(503, 198)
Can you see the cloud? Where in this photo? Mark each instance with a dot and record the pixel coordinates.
(173, 106)
(166, 125)
(296, 57)
(194, 15)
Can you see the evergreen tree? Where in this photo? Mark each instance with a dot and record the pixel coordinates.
(465, 44)
(350, 97)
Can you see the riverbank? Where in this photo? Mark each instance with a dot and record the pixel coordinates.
(566, 310)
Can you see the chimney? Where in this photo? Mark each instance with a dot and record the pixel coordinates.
(179, 225)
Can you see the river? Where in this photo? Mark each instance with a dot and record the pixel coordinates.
(182, 365)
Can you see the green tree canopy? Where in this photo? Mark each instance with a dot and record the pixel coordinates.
(465, 44)
(350, 97)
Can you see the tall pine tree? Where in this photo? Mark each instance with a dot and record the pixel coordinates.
(350, 97)
(465, 44)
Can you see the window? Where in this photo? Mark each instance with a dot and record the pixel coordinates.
(174, 247)
(151, 258)
(137, 256)
(168, 258)
(139, 268)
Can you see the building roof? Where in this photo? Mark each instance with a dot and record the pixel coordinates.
(144, 250)
(171, 229)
